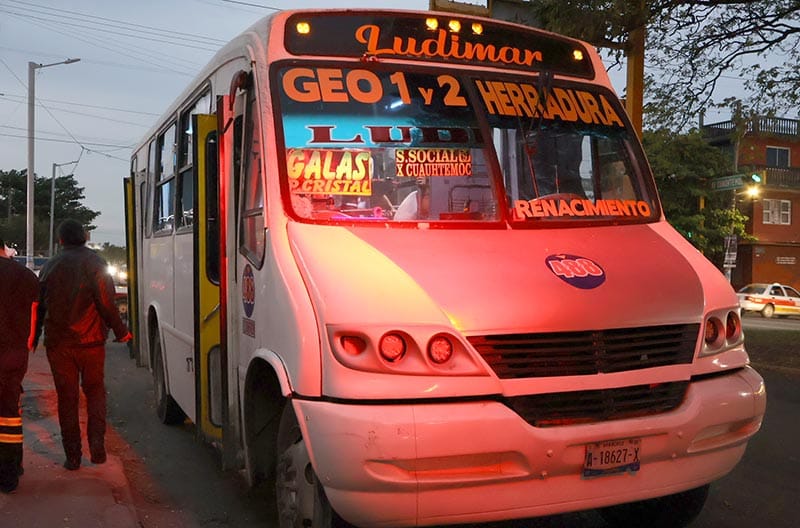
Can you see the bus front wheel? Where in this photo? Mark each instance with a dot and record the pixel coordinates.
(301, 501)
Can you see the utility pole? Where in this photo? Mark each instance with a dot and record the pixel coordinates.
(32, 67)
(634, 92)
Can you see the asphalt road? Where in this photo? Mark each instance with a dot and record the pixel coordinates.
(177, 481)
(755, 321)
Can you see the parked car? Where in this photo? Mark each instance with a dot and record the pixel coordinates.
(770, 299)
(121, 300)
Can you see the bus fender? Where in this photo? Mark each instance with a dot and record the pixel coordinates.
(274, 361)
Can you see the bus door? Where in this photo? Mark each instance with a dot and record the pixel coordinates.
(132, 244)
(210, 378)
(228, 140)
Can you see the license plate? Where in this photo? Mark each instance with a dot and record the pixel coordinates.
(612, 457)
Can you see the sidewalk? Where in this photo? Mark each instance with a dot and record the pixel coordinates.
(49, 496)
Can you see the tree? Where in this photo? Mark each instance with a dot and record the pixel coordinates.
(13, 208)
(691, 45)
(112, 254)
(683, 165)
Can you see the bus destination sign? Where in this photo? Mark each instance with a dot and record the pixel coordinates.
(434, 38)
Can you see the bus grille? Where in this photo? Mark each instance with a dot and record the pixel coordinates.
(584, 353)
(564, 408)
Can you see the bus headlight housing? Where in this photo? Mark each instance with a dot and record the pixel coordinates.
(722, 330)
(419, 351)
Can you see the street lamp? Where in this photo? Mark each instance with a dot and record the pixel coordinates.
(53, 202)
(32, 67)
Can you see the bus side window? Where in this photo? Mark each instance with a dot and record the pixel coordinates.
(186, 177)
(164, 209)
(146, 196)
(251, 228)
(185, 205)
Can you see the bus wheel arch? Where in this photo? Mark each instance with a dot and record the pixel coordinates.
(263, 404)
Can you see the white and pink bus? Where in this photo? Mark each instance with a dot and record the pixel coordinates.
(411, 267)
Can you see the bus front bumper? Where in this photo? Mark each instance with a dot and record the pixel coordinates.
(457, 462)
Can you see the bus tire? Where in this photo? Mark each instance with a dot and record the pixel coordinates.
(672, 511)
(167, 409)
(300, 499)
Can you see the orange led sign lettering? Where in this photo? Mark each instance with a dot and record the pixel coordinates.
(321, 171)
(332, 85)
(523, 100)
(544, 208)
(445, 45)
(433, 162)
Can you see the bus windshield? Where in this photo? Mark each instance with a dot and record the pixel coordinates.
(401, 145)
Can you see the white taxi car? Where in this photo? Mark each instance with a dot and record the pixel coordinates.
(769, 299)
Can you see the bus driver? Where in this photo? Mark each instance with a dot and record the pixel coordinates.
(417, 204)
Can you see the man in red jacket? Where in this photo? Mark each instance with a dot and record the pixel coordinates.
(76, 307)
(19, 289)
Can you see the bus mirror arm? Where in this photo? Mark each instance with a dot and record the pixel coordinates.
(241, 81)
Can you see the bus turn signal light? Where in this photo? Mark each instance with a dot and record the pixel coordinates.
(353, 345)
(440, 349)
(392, 347)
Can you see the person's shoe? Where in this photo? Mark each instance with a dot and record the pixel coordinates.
(72, 464)
(98, 451)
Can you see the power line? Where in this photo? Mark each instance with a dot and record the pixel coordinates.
(248, 4)
(47, 132)
(72, 103)
(80, 143)
(147, 56)
(54, 140)
(94, 116)
(114, 32)
(162, 57)
(84, 16)
(74, 139)
(128, 66)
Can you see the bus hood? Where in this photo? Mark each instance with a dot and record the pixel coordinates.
(502, 281)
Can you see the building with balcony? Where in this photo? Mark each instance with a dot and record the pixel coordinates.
(771, 145)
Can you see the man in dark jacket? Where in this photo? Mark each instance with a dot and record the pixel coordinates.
(19, 289)
(76, 307)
